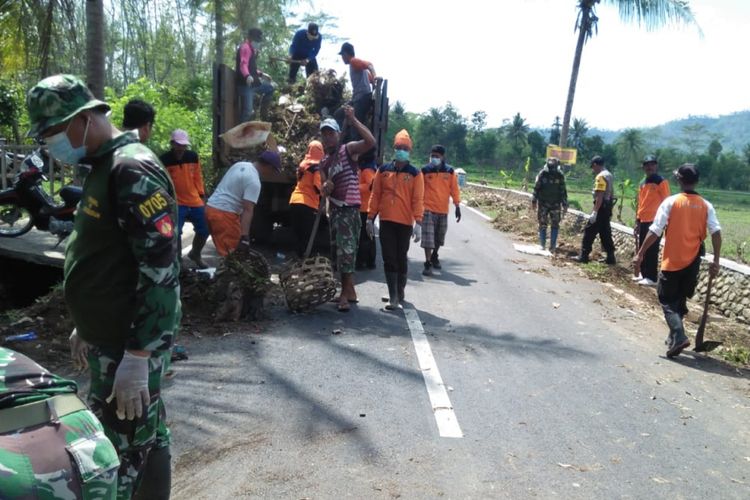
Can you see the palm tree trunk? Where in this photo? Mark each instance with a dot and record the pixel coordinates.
(582, 33)
(95, 47)
(219, 7)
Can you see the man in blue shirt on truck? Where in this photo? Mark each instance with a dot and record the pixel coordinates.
(304, 49)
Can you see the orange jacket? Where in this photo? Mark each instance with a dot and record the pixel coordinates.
(307, 190)
(366, 176)
(397, 195)
(653, 190)
(186, 176)
(440, 184)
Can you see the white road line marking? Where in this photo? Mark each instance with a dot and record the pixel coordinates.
(482, 215)
(441, 404)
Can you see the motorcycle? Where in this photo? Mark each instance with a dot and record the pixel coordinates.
(27, 204)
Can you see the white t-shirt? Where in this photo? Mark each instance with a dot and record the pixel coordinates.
(241, 182)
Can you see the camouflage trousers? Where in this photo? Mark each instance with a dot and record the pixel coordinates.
(547, 213)
(345, 225)
(68, 459)
(133, 439)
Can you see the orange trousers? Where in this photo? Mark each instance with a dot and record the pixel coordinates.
(224, 228)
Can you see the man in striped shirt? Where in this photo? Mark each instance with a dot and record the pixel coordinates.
(686, 217)
(339, 177)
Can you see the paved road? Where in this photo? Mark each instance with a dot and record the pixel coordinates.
(573, 401)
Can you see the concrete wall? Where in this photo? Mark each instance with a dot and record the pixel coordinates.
(730, 293)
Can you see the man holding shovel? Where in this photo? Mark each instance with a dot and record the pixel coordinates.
(686, 217)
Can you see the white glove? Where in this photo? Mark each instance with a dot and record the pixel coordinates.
(250, 80)
(592, 217)
(79, 348)
(370, 228)
(130, 388)
(417, 232)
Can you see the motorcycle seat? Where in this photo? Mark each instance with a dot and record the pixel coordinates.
(71, 194)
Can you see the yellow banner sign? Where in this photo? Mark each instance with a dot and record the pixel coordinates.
(565, 155)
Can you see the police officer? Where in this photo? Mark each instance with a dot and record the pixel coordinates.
(550, 199)
(51, 445)
(598, 221)
(121, 275)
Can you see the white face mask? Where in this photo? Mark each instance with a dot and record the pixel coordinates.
(59, 146)
(435, 161)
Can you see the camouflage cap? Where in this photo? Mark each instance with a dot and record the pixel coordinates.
(57, 99)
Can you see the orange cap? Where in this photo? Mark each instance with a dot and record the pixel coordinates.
(314, 154)
(402, 139)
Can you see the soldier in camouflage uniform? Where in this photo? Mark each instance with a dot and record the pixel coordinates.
(121, 275)
(550, 200)
(51, 445)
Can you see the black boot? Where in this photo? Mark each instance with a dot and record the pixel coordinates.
(434, 260)
(427, 271)
(195, 252)
(582, 259)
(157, 476)
(391, 279)
(401, 287)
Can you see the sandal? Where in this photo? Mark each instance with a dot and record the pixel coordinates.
(343, 307)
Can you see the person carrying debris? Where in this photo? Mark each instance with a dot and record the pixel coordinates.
(139, 116)
(184, 168)
(362, 75)
(686, 217)
(653, 190)
(398, 199)
(305, 199)
(550, 200)
(368, 249)
(304, 50)
(249, 77)
(229, 210)
(121, 275)
(440, 186)
(340, 182)
(598, 221)
(51, 445)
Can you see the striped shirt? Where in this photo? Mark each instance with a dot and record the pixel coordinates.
(343, 172)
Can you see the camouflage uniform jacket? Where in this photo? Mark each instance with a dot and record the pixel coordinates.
(22, 381)
(549, 188)
(121, 262)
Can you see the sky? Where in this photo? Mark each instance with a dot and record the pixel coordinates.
(510, 56)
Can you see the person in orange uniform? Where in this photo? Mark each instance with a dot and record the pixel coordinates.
(686, 217)
(440, 185)
(305, 199)
(653, 190)
(367, 250)
(398, 198)
(184, 168)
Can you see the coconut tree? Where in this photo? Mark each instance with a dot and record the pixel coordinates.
(652, 14)
(95, 47)
(579, 132)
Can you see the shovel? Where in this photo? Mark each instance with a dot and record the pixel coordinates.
(700, 344)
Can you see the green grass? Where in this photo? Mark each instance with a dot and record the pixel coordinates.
(732, 207)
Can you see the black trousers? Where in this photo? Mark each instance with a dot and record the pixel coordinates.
(367, 250)
(310, 68)
(650, 263)
(673, 290)
(394, 243)
(303, 218)
(602, 228)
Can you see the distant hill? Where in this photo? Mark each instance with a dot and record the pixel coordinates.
(733, 131)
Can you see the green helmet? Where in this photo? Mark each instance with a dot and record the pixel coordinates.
(56, 100)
